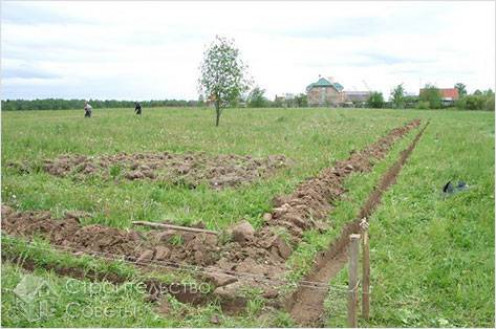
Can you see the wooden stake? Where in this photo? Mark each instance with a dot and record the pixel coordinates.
(366, 275)
(353, 279)
(174, 227)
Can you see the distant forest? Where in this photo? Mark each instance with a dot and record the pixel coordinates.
(67, 104)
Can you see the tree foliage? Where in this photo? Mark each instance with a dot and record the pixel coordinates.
(431, 95)
(462, 89)
(256, 98)
(478, 101)
(222, 74)
(301, 100)
(375, 100)
(398, 97)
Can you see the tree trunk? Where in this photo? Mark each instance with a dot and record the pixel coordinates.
(217, 113)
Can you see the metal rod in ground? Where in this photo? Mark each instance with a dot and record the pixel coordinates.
(353, 279)
(366, 274)
(174, 227)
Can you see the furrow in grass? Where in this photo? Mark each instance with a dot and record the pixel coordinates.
(330, 262)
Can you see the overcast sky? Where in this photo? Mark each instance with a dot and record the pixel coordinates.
(152, 50)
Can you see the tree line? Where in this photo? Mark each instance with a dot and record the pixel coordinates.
(252, 100)
(68, 104)
(430, 98)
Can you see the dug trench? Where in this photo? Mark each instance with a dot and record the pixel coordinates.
(247, 258)
(306, 304)
(154, 288)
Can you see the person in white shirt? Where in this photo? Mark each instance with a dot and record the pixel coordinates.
(87, 109)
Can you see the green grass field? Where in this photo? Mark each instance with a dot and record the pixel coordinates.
(312, 138)
(432, 256)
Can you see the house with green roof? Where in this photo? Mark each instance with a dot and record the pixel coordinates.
(325, 92)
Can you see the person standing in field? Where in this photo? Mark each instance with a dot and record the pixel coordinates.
(137, 108)
(87, 109)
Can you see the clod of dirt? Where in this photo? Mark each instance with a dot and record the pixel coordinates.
(103, 239)
(202, 249)
(219, 279)
(249, 265)
(165, 236)
(161, 253)
(187, 237)
(231, 291)
(136, 174)
(270, 293)
(283, 249)
(146, 256)
(243, 232)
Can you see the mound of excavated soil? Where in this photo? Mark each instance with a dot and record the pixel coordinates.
(68, 232)
(189, 169)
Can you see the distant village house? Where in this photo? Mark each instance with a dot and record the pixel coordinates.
(448, 95)
(325, 92)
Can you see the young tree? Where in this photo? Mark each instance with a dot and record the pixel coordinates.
(257, 98)
(222, 74)
(462, 89)
(398, 96)
(375, 100)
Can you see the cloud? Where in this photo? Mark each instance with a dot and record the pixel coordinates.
(27, 73)
(153, 49)
(32, 13)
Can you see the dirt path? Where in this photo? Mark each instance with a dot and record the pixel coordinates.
(307, 305)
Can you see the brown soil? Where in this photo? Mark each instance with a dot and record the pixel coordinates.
(189, 169)
(249, 259)
(328, 264)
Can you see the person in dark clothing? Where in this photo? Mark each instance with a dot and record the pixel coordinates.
(137, 108)
(87, 109)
